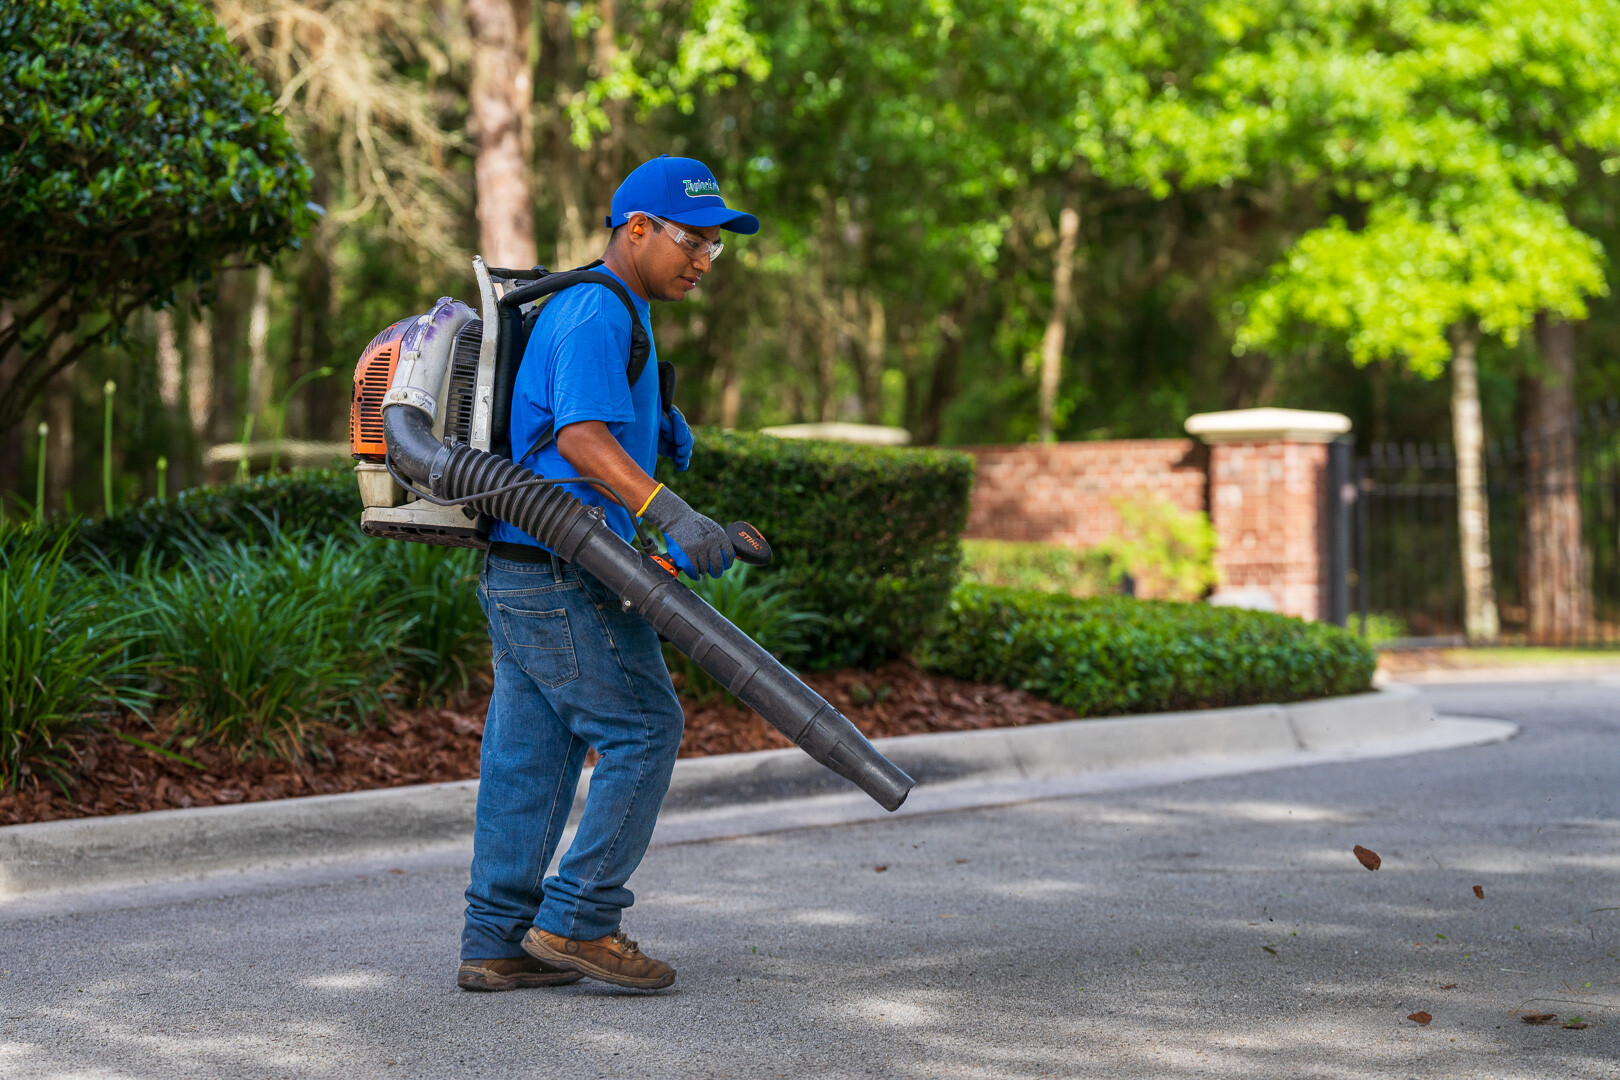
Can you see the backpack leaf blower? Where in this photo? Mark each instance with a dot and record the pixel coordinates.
(429, 432)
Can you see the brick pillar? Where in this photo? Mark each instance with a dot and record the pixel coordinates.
(1267, 502)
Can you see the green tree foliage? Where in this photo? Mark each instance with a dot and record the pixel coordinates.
(137, 154)
(1450, 130)
(1243, 174)
(1395, 286)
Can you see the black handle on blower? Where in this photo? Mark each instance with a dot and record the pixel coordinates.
(752, 547)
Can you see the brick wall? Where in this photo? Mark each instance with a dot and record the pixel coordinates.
(1266, 505)
(1063, 493)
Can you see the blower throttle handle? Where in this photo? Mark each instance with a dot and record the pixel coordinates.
(752, 547)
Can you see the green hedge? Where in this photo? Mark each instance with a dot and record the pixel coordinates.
(1110, 655)
(867, 536)
(325, 500)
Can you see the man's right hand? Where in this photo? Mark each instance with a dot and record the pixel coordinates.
(698, 545)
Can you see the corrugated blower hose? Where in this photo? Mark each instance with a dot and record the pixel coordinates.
(432, 466)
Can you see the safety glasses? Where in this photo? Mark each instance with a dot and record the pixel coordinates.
(695, 246)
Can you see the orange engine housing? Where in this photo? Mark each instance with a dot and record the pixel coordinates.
(372, 378)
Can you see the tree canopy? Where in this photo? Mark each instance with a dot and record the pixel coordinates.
(137, 154)
(1265, 201)
(1451, 136)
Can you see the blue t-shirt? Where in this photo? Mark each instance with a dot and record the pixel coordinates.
(574, 370)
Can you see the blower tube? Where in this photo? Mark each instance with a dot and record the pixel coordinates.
(579, 534)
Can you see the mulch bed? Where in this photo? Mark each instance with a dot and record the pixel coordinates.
(425, 746)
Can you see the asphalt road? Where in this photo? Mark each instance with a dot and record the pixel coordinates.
(1216, 928)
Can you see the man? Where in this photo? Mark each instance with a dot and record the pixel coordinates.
(572, 669)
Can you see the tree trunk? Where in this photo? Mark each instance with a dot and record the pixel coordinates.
(875, 351)
(501, 98)
(1473, 512)
(793, 352)
(259, 344)
(910, 363)
(1057, 321)
(582, 180)
(730, 399)
(1558, 590)
(575, 246)
(225, 417)
(860, 354)
(59, 453)
(605, 150)
(200, 371)
(170, 366)
(14, 443)
(827, 373)
(321, 410)
(1378, 373)
(947, 366)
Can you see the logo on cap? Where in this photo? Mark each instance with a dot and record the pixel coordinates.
(696, 188)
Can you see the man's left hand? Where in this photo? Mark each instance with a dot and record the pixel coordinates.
(675, 438)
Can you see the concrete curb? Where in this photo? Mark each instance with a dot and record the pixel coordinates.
(167, 845)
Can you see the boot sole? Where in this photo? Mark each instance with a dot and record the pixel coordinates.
(488, 982)
(541, 951)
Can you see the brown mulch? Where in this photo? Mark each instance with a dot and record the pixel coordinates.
(894, 700)
(424, 746)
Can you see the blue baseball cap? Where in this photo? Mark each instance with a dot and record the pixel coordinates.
(681, 189)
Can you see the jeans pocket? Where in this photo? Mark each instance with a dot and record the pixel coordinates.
(541, 643)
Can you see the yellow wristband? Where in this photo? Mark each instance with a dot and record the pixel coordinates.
(650, 498)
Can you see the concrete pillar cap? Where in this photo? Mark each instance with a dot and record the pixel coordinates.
(1268, 425)
(838, 431)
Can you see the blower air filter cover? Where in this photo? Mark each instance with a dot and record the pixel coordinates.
(372, 377)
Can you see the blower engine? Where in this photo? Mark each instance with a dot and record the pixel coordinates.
(428, 430)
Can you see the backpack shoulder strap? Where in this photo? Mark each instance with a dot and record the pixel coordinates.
(640, 345)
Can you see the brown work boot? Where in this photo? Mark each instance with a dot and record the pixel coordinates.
(613, 959)
(513, 973)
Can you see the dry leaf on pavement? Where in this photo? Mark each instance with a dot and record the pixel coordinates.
(880, 867)
(1479, 891)
(1368, 857)
(1420, 1018)
(1539, 1018)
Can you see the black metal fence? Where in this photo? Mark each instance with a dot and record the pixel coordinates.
(1554, 523)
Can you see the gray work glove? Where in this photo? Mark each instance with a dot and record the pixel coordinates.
(697, 544)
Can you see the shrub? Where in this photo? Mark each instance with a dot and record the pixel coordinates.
(434, 591)
(312, 501)
(138, 152)
(761, 606)
(867, 536)
(63, 665)
(1051, 568)
(1116, 655)
(431, 590)
(1381, 627)
(1170, 552)
(263, 648)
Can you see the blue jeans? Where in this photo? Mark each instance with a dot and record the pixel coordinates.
(572, 670)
